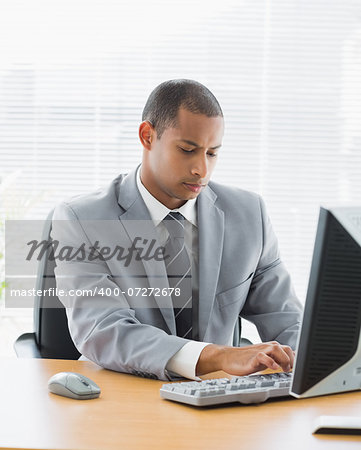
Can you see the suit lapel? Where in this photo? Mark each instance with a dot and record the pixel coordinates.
(210, 245)
(138, 223)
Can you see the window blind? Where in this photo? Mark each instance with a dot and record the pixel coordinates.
(75, 75)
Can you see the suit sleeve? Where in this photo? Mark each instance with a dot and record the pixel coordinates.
(272, 304)
(104, 328)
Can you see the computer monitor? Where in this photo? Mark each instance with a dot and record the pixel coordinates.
(328, 356)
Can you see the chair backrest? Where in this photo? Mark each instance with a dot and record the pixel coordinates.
(50, 322)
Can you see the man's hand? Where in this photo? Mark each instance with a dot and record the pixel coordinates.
(245, 360)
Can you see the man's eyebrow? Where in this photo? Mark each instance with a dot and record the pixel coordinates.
(196, 145)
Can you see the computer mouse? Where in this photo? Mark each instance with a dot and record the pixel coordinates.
(73, 385)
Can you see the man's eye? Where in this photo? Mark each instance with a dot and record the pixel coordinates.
(186, 151)
(212, 155)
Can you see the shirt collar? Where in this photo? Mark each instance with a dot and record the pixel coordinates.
(158, 211)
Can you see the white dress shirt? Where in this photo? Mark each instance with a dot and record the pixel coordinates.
(184, 362)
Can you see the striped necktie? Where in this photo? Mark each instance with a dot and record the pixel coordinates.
(178, 268)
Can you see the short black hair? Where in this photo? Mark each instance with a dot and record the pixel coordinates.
(165, 100)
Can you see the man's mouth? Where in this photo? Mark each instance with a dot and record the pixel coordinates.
(194, 187)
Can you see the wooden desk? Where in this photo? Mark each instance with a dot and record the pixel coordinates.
(130, 414)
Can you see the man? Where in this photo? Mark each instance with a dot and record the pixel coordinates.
(228, 251)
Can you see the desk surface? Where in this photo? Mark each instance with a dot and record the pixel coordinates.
(130, 414)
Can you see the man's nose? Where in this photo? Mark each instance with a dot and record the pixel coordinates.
(200, 167)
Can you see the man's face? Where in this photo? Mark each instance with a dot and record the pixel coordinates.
(178, 166)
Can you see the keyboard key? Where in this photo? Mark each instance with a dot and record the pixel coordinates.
(267, 383)
(202, 392)
(232, 387)
(283, 384)
(189, 391)
(220, 391)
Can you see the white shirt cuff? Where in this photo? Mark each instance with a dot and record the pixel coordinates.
(184, 362)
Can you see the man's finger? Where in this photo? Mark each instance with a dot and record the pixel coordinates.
(281, 356)
(290, 353)
(266, 360)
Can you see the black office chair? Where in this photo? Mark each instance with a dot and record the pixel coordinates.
(51, 337)
(238, 340)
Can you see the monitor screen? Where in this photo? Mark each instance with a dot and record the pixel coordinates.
(328, 356)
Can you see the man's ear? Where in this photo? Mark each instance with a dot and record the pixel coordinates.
(147, 134)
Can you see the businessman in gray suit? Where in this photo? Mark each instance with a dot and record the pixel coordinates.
(228, 256)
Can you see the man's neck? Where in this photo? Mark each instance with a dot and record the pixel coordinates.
(166, 200)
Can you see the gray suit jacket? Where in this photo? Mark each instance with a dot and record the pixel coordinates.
(240, 273)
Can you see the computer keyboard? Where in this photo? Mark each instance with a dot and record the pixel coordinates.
(246, 389)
